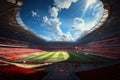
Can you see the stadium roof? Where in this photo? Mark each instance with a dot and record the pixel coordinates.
(11, 29)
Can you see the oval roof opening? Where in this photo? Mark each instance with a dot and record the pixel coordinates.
(60, 20)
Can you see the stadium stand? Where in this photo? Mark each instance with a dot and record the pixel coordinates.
(108, 47)
(106, 73)
(17, 42)
(17, 73)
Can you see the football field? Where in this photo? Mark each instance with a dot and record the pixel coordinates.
(62, 57)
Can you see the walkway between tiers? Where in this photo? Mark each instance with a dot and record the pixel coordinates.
(61, 71)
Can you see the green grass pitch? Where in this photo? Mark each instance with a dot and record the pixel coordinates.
(62, 57)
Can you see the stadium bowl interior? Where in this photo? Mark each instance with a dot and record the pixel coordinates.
(25, 56)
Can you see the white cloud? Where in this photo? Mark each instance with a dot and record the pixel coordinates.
(20, 22)
(89, 3)
(78, 24)
(34, 13)
(80, 27)
(91, 24)
(66, 37)
(98, 5)
(54, 11)
(57, 34)
(64, 4)
(78, 34)
(98, 15)
(44, 37)
(54, 24)
(46, 22)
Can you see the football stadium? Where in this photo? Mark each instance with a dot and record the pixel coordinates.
(59, 40)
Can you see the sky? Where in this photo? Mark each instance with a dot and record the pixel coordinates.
(60, 20)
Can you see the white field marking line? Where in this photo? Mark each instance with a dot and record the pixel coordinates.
(44, 56)
(59, 59)
(65, 55)
(55, 55)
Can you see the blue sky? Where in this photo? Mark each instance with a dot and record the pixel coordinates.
(60, 20)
